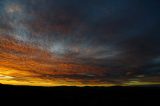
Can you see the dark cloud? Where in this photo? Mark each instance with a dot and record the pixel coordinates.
(118, 38)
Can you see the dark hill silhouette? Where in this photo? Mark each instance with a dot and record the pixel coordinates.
(91, 95)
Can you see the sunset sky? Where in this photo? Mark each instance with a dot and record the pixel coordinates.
(79, 42)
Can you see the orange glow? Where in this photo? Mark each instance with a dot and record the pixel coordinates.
(26, 64)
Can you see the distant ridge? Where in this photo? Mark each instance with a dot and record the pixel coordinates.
(82, 95)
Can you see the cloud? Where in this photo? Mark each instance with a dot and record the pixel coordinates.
(100, 42)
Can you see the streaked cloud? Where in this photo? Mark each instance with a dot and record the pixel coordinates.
(84, 42)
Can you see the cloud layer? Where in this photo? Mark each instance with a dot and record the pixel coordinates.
(82, 42)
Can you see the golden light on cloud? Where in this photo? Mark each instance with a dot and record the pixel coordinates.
(17, 77)
(24, 64)
(27, 64)
(5, 77)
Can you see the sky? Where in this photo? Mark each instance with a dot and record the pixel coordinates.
(79, 42)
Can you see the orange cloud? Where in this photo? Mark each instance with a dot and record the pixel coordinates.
(26, 63)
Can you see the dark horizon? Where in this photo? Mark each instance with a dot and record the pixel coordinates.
(80, 95)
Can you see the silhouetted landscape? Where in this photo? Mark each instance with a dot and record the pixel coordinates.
(82, 94)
